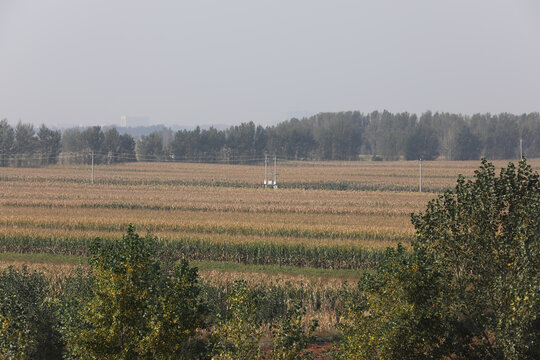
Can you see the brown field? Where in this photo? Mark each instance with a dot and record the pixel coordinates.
(437, 174)
(177, 199)
(226, 203)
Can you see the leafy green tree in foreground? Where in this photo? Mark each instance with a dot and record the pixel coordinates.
(290, 339)
(137, 309)
(237, 336)
(470, 287)
(26, 317)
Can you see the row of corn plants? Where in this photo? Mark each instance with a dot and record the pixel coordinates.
(307, 185)
(193, 208)
(289, 232)
(326, 257)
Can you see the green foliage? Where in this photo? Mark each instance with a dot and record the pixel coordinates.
(137, 309)
(465, 145)
(7, 144)
(26, 317)
(421, 143)
(325, 257)
(290, 339)
(237, 334)
(150, 147)
(470, 289)
(324, 136)
(239, 329)
(392, 314)
(49, 145)
(108, 146)
(485, 241)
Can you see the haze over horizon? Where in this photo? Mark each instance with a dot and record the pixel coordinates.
(205, 62)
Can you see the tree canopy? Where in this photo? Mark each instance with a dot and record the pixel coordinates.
(470, 287)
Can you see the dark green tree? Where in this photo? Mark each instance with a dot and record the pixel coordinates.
(422, 143)
(26, 317)
(92, 141)
(470, 288)
(139, 308)
(50, 144)
(119, 148)
(93, 138)
(150, 147)
(72, 141)
(7, 144)
(25, 144)
(127, 148)
(465, 145)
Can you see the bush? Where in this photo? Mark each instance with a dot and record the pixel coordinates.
(137, 309)
(238, 333)
(26, 317)
(469, 289)
(290, 339)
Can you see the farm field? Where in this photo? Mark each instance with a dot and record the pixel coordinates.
(206, 208)
(328, 175)
(328, 221)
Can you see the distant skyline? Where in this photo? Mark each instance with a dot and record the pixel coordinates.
(189, 63)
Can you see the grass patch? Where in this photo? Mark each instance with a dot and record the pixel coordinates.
(227, 266)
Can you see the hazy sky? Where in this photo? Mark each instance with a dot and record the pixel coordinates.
(210, 62)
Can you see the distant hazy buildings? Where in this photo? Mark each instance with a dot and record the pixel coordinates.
(134, 121)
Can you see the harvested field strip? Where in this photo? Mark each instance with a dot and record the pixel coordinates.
(222, 267)
(331, 257)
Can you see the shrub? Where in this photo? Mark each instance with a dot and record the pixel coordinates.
(137, 309)
(26, 317)
(238, 334)
(290, 339)
(470, 288)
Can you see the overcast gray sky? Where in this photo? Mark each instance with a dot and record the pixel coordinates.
(209, 62)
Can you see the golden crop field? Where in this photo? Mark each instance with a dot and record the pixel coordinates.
(225, 204)
(385, 175)
(327, 219)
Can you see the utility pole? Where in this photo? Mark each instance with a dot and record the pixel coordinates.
(520, 148)
(420, 174)
(92, 168)
(275, 172)
(267, 175)
(265, 171)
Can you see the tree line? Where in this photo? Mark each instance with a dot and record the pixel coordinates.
(325, 136)
(346, 135)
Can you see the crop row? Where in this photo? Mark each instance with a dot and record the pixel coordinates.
(192, 208)
(289, 232)
(327, 257)
(306, 185)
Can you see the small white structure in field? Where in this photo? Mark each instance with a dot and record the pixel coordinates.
(268, 182)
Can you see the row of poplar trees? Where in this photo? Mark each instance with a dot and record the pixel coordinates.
(325, 136)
